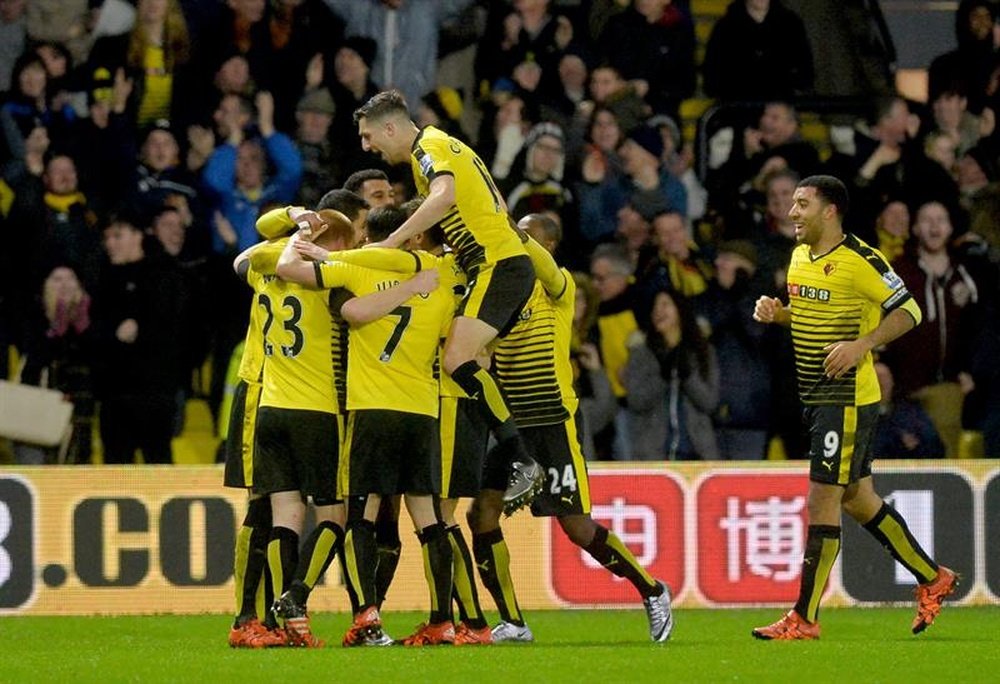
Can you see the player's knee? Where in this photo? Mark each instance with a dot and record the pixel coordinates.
(579, 528)
(483, 514)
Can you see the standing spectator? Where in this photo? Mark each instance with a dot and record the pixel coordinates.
(159, 174)
(743, 415)
(758, 50)
(13, 30)
(29, 106)
(62, 21)
(774, 233)
(608, 88)
(672, 385)
(236, 173)
(320, 166)
(154, 54)
(535, 182)
(406, 32)
(968, 68)
(652, 45)
(138, 318)
(58, 350)
(56, 225)
(677, 265)
(351, 87)
(932, 364)
(611, 273)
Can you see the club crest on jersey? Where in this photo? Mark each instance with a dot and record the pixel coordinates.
(808, 292)
(829, 268)
(525, 313)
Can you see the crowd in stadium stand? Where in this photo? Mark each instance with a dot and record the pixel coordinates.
(141, 140)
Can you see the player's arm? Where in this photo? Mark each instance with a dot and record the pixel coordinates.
(772, 310)
(295, 269)
(361, 310)
(546, 269)
(385, 259)
(440, 198)
(281, 221)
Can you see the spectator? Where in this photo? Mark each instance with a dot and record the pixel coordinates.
(56, 225)
(903, 429)
(352, 86)
(758, 50)
(609, 89)
(968, 68)
(952, 118)
(611, 273)
(160, 174)
(154, 54)
(672, 385)
(138, 316)
(535, 182)
(236, 173)
(678, 159)
(774, 233)
(937, 354)
(893, 229)
(442, 108)
(407, 35)
(652, 45)
(61, 21)
(645, 180)
(633, 231)
(58, 351)
(510, 126)
(560, 103)
(597, 400)
(13, 32)
(320, 165)
(678, 264)
(743, 415)
(28, 106)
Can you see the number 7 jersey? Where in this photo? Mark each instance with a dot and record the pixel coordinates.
(298, 341)
(392, 360)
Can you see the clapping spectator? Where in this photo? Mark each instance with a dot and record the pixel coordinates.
(58, 346)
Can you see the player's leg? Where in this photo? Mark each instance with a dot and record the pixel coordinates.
(489, 309)
(436, 549)
(472, 628)
(882, 521)
(389, 545)
(832, 433)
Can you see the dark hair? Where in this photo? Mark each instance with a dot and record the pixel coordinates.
(382, 221)
(358, 178)
(830, 190)
(346, 202)
(386, 103)
(552, 230)
(693, 341)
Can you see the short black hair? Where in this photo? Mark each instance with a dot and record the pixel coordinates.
(358, 178)
(386, 103)
(383, 221)
(831, 190)
(348, 203)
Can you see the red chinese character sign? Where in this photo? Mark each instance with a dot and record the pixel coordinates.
(646, 511)
(751, 531)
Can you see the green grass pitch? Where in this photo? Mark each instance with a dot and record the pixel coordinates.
(858, 645)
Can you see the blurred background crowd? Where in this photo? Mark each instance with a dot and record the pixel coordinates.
(141, 139)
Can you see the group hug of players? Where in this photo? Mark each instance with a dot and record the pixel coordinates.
(382, 375)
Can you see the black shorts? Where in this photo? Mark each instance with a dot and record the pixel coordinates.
(464, 435)
(297, 450)
(240, 437)
(496, 293)
(557, 450)
(839, 441)
(390, 452)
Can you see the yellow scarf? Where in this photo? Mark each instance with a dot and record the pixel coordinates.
(62, 203)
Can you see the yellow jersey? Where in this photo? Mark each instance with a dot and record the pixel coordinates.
(532, 362)
(298, 333)
(391, 361)
(476, 226)
(252, 364)
(838, 296)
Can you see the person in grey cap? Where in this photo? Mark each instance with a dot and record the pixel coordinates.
(321, 169)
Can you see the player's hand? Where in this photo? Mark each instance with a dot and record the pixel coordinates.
(842, 357)
(424, 282)
(766, 309)
(384, 244)
(127, 331)
(310, 250)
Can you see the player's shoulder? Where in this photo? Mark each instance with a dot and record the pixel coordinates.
(859, 251)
